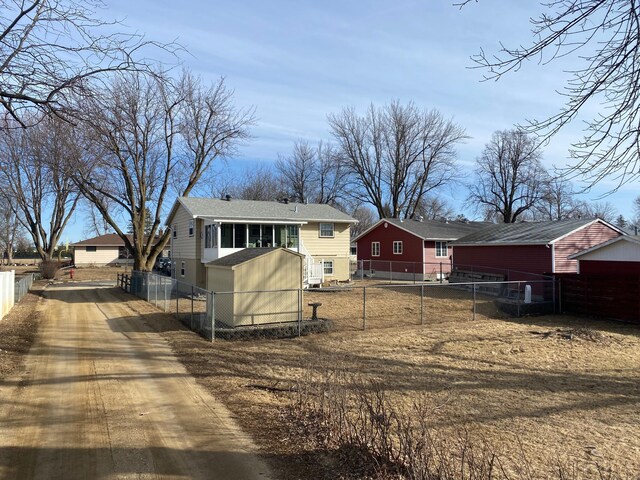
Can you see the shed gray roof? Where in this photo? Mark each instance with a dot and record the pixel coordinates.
(431, 229)
(260, 210)
(242, 256)
(525, 233)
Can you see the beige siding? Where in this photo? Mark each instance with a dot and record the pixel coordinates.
(102, 256)
(183, 246)
(191, 268)
(337, 248)
(278, 270)
(219, 279)
(338, 245)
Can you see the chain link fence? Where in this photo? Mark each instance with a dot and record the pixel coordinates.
(296, 312)
(392, 271)
(23, 285)
(190, 305)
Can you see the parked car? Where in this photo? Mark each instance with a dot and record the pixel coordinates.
(161, 263)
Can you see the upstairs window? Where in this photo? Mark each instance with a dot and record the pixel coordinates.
(92, 248)
(210, 236)
(174, 229)
(375, 249)
(397, 247)
(191, 228)
(326, 230)
(442, 250)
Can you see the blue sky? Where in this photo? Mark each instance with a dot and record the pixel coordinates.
(296, 62)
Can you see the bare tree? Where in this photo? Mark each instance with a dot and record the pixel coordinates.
(257, 184)
(313, 174)
(10, 230)
(602, 35)
(51, 51)
(298, 171)
(153, 138)
(636, 211)
(33, 165)
(604, 210)
(365, 216)
(510, 177)
(396, 155)
(557, 202)
(95, 223)
(434, 207)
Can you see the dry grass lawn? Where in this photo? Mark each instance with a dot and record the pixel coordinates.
(566, 388)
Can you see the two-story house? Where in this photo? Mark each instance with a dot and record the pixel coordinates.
(205, 229)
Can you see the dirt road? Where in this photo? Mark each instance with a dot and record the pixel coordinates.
(103, 397)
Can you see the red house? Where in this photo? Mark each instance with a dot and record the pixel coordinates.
(619, 256)
(410, 249)
(518, 249)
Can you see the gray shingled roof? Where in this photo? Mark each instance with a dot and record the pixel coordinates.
(260, 210)
(107, 240)
(242, 256)
(523, 233)
(437, 229)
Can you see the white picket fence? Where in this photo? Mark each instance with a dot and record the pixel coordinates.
(7, 291)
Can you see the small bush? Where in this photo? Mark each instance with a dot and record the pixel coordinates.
(49, 269)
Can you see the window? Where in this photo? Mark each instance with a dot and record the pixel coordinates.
(240, 235)
(191, 228)
(175, 231)
(397, 247)
(124, 253)
(442, 249)
(226, 235)
(326, 230)
(92, 248)
(182, 269)
(328, 267)
(210, 236)
(375, 249)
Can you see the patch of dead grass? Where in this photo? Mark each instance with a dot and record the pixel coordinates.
(18, 331)
(575, 400)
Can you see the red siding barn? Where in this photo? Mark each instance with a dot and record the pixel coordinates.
(619, 256)
(410, 249)
(521, 249)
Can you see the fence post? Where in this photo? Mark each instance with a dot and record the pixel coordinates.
(300, 312)
(177, 300)
(364, 308)
(192, 294)
(553, 292)
(165, 284)
(473, 285)
(390, 272)
(213, 316)
(560, 295)
(441, 272)
(421, 304)
(518, 300)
